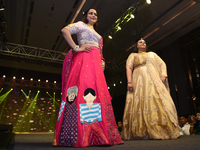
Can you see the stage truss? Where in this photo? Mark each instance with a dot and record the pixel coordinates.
(31, 52)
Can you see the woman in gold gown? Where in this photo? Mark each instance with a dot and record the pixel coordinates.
(149, 111)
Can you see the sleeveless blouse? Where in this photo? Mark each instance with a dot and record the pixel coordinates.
(85, 34)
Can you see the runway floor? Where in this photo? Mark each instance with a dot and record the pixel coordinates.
(41, 141)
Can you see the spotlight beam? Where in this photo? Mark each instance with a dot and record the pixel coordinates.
(1, 90)
(3, 97)
(27, 113)
(3, 108)
(53, 99)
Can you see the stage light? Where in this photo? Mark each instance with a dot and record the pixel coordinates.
(14, 77)
(119, 27)
(54, 81)
(2, 9)
(148, 1)
(110, 37)
(47, 81)
(38, 91)
(114, 84)
(38, 80)
(132, 16)
(4, 76)
(31, 121)
(14, 114)
(31, 79)
(108, 87)
(120, 82)
(22, 78)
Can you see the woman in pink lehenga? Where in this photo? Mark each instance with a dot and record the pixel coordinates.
(86, 115)
(149, 111)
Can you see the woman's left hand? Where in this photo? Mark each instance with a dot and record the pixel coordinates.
(130, 87)
(163, 79)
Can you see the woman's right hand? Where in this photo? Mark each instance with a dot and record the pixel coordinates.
(103, 64)
(130, 87)
(84, 48)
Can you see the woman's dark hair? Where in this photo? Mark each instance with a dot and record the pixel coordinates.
(84, 19)
(89, 90)
(135, 50)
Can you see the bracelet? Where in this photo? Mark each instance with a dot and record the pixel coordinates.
(129, 82)
(76, 48)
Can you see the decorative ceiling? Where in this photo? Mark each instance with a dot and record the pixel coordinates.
(37, 24)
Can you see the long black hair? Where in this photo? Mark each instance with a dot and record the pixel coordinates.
(84, 19)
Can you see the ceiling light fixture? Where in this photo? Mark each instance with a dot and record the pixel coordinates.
(148, 1)
(132, 16)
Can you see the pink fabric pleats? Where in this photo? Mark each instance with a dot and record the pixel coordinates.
(86, 72)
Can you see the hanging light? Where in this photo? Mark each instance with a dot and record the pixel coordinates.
(54, 81)
(47, 81)
(148, 1)
(22, 78)
(4, 76)
(119, 27)
(110, 37)
(38, 80)
(14, 77)
(132, 16)
(31, 79)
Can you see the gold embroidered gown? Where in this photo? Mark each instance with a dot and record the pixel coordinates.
(149, 111)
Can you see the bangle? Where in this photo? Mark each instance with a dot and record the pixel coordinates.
(76, 48)
(129, 82)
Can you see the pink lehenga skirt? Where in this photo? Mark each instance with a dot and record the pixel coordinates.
(77, 125)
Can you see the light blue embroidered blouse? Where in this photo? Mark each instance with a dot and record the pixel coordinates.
(85, 34)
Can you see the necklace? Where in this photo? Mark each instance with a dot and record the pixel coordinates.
(141, 52)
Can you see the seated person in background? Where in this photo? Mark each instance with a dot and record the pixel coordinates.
(180, 127)
(195, 124)
(185, 125)
(190, 118)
